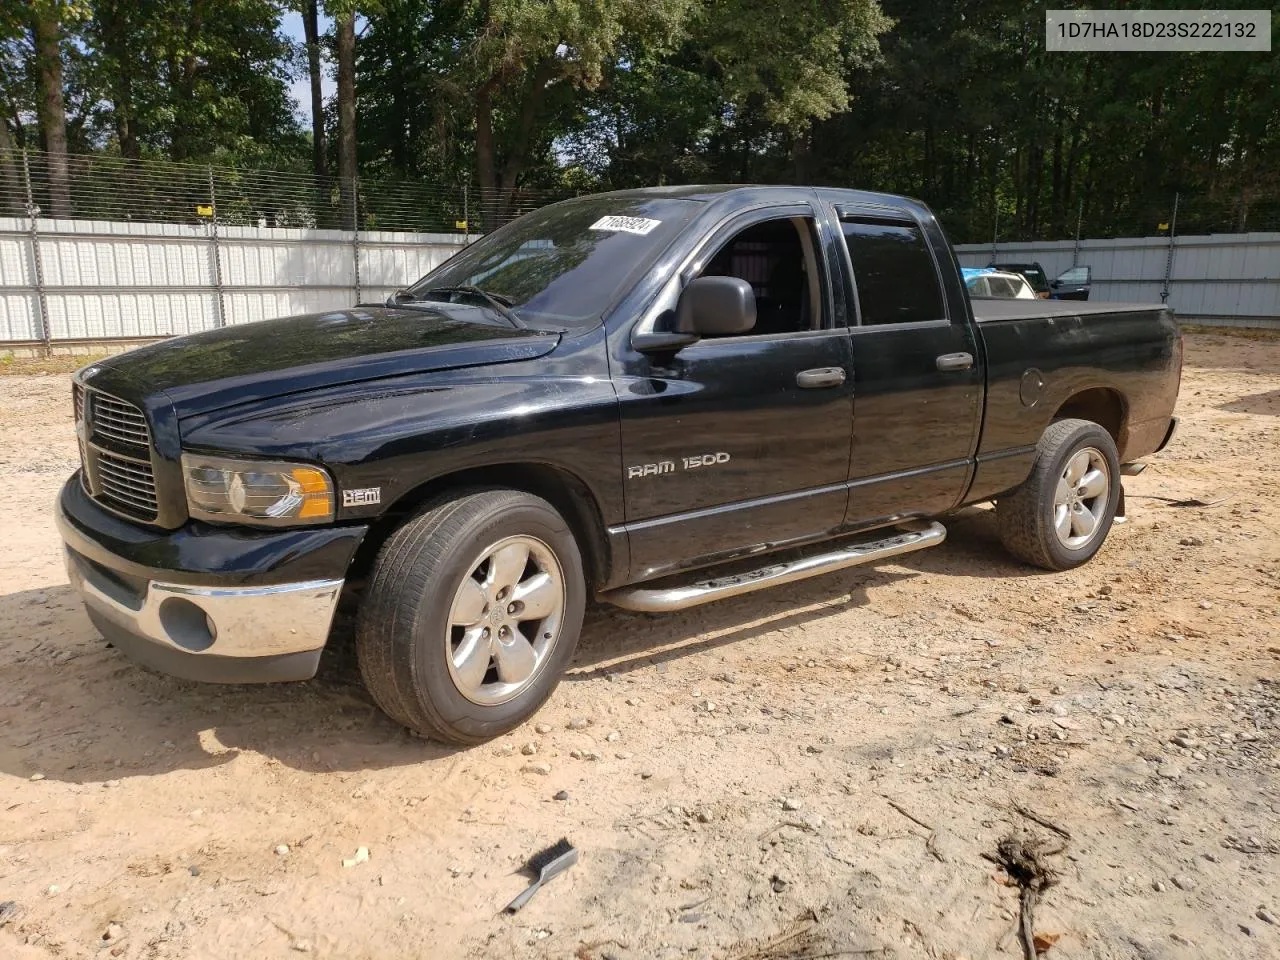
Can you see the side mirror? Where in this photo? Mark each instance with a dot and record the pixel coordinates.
(400, 296)
(1056, 284)
(716, 307)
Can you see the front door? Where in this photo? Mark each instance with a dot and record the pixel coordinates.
(741, 443)
(1074, 284)
(917, 375)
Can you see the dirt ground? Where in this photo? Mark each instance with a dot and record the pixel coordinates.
(817, 771)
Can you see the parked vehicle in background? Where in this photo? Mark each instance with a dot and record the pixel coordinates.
(657, 398)
(1073, 284)
(998, 285)
(1034, 274)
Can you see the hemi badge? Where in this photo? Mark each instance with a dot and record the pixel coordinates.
(364, 497)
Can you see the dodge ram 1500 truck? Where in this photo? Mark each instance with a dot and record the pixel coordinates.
(655, 397)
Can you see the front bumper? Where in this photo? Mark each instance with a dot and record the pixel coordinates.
(227, 606)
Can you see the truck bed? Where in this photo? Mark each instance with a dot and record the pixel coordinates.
(990, 310)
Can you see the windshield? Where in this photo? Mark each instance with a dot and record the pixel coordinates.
(1035, 276)
(563, 265)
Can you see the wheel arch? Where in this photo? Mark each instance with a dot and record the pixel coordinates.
(571, 496)
(1104, 406)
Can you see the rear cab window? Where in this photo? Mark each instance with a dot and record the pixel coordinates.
(894, 273)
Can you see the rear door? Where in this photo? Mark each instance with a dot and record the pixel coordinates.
(740, 443)
(917, 369)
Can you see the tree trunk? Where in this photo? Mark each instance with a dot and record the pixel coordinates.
(50, 107)
(518, 154)
(800, 155)
(486, 162)
(115, 32)
(185, 141)
(311, 26)
(346, 29)
(497, 188)
(12, 197)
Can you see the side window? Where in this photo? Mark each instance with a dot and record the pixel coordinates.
(894, 273)
(777, 257)
(1075, 275)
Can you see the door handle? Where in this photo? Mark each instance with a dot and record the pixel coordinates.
(820, 377)
(955, 361)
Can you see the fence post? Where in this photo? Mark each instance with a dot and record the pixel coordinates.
(1075, 250)
(355, 232)
(995, 233)
(466, 214)
(219, 302)
(1168, 260)
(42, 303)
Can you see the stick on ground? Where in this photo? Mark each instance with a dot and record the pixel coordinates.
(1045, 822)
(930, 843)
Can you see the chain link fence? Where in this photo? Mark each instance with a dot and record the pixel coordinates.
(96, 247)
(1107, 218)
(111, 188)
(100, 247)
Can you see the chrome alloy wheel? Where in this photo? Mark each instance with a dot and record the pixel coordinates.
(1080, 501)
(505, 620)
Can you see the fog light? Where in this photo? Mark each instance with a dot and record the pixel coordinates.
(187, 625)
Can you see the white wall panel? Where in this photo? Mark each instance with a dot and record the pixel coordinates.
(1223, 275)
(18, 317)
(106, 279)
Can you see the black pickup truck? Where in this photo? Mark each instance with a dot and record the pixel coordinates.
(655, 397)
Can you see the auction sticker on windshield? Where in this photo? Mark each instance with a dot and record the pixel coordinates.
(637, 225)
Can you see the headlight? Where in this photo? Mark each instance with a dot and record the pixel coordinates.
(264, 492)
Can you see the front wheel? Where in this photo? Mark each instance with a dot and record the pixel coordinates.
(1063, 511)
(472, 614)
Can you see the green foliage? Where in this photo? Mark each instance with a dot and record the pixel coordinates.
(953, 101)
(196, 79)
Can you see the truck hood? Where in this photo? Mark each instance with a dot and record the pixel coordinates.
(253, 361)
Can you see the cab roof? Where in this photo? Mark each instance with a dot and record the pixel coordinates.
(742, 194)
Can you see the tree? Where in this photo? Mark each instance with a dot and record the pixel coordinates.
(311, 28)
(46, 29)
(345, 25)
(523, 52)
(117, 36)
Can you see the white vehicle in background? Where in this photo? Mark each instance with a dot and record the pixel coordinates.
(985, 283)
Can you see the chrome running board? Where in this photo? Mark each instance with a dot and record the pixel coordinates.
(652, 598)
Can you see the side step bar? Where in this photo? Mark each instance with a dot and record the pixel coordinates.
(652, 598)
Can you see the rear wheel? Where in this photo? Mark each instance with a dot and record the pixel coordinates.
(472, 614)
(1060, 516)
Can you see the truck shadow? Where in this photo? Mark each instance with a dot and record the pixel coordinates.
(76, 710)
(1265, 404)
(617, 641)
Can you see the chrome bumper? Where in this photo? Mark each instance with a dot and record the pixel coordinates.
(210, 622)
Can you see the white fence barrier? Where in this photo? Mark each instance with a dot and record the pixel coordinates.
(99, 280)
(92, 280)
(1231, 279)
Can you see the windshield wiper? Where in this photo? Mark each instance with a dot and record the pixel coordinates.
(496, 300)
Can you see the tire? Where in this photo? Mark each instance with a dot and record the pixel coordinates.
(421, 636)
(1032, 517)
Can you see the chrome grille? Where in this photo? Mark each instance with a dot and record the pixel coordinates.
(77, 398)
(119, 421)
(127, 485)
